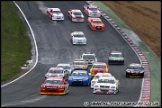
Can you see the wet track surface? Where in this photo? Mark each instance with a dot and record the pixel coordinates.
(54, 46)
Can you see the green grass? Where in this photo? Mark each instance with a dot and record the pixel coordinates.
(15, 44)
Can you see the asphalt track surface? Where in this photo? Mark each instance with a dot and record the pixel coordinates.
(54, 46)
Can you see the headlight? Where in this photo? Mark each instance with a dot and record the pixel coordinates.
(90, 13)
(96, 86)
(85, 78)
(47, 75)
(141, 71)
(128, 71)
(60, 86)
(43, 86)
(110, 58)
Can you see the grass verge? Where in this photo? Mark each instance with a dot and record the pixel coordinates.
(15, 46)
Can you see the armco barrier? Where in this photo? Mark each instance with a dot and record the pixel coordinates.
(145, 89)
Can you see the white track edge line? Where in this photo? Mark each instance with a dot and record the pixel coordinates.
(34, 44)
